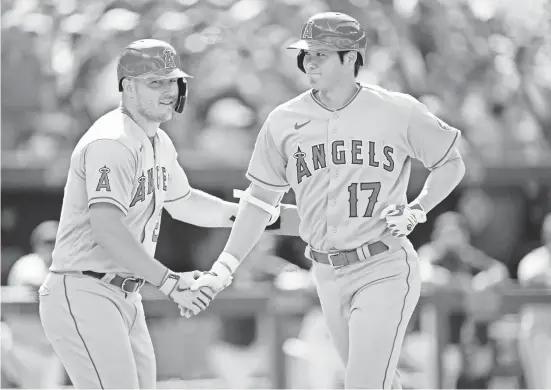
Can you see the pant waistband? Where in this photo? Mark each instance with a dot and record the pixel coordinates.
(126, 284)
(364, 252)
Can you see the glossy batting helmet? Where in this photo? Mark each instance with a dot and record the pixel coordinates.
(332, 31)
(149, 58)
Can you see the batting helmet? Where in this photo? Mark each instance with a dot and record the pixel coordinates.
(153, 58)
(332, 31)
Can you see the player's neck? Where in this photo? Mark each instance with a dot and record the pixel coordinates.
(338, 95)
(149, 127)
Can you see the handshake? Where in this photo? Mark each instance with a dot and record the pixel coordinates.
(194, 291)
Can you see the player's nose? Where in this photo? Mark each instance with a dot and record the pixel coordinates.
(309, 64)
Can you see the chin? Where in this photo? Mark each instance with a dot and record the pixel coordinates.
(162, 116)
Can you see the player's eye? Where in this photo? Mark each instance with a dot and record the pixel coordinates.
(155, 83)
(172, 81)
(320, 54)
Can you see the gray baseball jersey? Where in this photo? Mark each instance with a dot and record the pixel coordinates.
(346, 165)
(115, 162)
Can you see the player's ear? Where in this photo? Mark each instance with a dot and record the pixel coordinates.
(127, 85)
(351, 57)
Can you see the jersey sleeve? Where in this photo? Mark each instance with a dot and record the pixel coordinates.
(110, 170)
(178, 184)
(267, 165)
(430, 139)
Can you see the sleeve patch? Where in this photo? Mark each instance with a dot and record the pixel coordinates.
(103, 182)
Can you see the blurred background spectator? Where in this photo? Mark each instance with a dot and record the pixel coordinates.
(28, 359)
(450, 260)
(483, 66)
(535, 335)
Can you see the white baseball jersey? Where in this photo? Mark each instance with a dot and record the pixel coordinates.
(346, 165)
(115, 162)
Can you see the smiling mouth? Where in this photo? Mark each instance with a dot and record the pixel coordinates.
(168, 103)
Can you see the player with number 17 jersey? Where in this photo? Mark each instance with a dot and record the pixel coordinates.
(346, 165)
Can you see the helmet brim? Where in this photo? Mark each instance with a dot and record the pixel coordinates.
(312, 45)
(161, 74)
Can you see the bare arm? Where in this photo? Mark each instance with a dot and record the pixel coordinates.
(202, 209)
(441, 182)
(111, 233)
(250, 223)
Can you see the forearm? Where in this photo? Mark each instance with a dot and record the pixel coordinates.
(202, 209)
(440, 183)
(115, 238)
(247, 230)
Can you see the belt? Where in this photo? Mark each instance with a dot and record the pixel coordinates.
(128, 285)
(343, 258)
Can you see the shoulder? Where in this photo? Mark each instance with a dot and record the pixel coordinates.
(296, 104)
(397, 98)
(25, 268)
(28, 260)
(537, 256)
(165, 139)
(113, 128)
(536, 262)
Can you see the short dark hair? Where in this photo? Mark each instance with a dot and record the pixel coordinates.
(357, 64)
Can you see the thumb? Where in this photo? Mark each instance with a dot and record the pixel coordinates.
(387, 211)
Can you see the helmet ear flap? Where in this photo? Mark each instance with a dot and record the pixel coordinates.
(300, 60)
(182, 96)
(361, 58)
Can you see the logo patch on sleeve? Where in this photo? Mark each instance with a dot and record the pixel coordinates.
(103, 182)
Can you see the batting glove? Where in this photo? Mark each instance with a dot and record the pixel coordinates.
(176, 287)
(401, 220)
(220, 275)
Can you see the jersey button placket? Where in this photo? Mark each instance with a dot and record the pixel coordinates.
(333, 188)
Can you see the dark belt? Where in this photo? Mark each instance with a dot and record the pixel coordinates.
(128, 285)
(340, 259)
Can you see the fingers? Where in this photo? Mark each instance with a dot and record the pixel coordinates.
(204, 281)
(191, 304)
(388, 210)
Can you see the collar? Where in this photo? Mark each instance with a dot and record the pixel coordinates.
(137, 130)
(313, 91)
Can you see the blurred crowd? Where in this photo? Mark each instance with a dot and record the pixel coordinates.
(484, 66)
(485, 347)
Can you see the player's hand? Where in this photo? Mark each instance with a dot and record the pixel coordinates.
(402, 219)
(177, 287)
(195, 301)
(213, 281)
(220, 275)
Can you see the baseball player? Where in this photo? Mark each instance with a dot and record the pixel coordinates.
(346, 150)
(534, 270)
(123, 172)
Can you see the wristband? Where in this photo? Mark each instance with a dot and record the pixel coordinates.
(225, 266)
(169, 283)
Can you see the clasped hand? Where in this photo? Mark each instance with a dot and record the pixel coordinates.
(190, 302)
